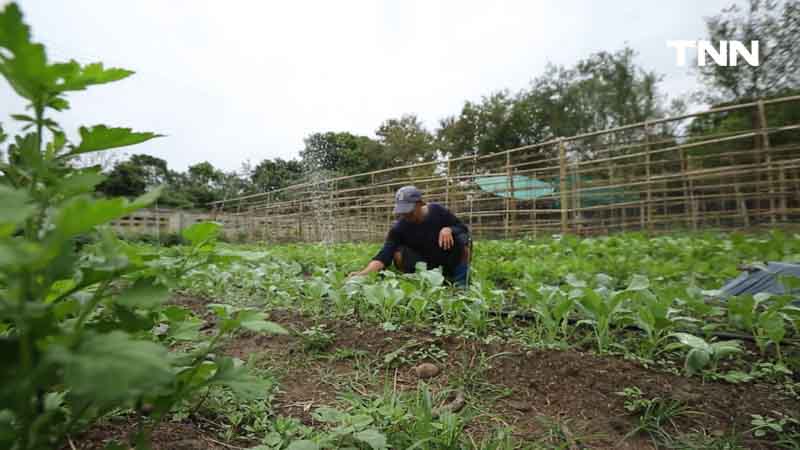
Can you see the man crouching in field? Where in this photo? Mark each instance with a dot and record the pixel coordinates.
(427, 233)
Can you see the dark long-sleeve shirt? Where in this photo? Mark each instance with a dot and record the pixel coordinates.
(424, 238)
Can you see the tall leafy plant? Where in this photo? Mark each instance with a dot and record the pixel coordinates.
(76, 325)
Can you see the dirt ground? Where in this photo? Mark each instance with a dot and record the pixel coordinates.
(511, 386)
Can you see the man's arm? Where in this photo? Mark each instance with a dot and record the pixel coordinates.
(373, 266)
(454, 231)
(384, 257)
(453, 222)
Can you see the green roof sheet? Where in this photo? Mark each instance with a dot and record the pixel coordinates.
(527, 188)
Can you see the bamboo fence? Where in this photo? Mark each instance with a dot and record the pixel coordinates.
(659, 175)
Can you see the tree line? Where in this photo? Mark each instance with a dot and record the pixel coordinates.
(603, 90)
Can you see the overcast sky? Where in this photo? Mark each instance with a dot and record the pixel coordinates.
(231, 80)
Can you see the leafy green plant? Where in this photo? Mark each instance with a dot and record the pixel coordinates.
(413, 352)
(770, 326)
(765, 315)
(778, 425)
(347, 430)
(553, 307)
(77, 322)
(283, 432)
(602, 307)
(656, 315)
(386, 297)
(317, 338)
(702, 353)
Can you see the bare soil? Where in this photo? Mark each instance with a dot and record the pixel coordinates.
(519, 387)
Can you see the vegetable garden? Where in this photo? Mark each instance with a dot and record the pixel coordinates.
(560, 342)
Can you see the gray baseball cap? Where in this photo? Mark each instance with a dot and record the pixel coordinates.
(405, 199)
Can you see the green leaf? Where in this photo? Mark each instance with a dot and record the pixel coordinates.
(200, 232)
(772, 323)
(83, 213)
(639, 283)
(736, 376)
(145, 293)
(80, 182)
(761, 297)
(74, 77)
(188, 330)
(303, 444)
(26, 69)
(221, 310)
(373, 437)
(433, 277)
(254, 321)
(16, 206)
(110, 368)
(101, 137)
(239, 381)
(58, 103)
(603, 279)
(23, 118)
(696, 360)
(13, 31)
(693, 342)
(329, 415)
(574, 281)
(725, 348)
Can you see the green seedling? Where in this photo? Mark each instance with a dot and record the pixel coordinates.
(702, 353)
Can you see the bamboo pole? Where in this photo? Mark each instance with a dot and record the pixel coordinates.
(373, 212)
(688, 194)
(741, 205)
(612, 212)
(562, 156)
(762, 117)
(647, 136)
(509, 193)
(577, 216)
(783, 201)
(447, 186)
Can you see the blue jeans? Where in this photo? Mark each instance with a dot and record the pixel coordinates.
(460, 275)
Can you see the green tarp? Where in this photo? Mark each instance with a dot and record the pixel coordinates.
(527, 188)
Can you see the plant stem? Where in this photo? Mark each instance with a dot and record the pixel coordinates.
(98, 295)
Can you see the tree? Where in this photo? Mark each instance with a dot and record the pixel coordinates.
(270, 175)
(139, 174)
(500, 121)
(156, 169)
(405, 141)
(602, 91)
(127, 179)
(341, 153)
(776, 25)
(203, 184)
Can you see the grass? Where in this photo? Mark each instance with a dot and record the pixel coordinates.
(655, 417)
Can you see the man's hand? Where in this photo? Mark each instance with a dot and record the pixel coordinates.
(373, 266)
(446, 238)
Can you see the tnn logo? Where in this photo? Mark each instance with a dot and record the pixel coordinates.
(725, 55)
